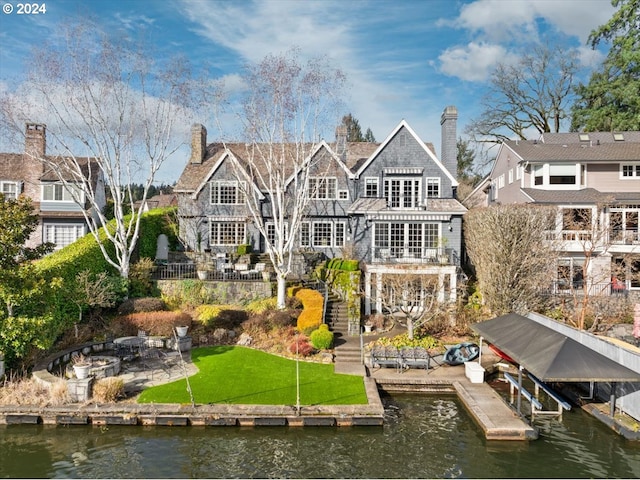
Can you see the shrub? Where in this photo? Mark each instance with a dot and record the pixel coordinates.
(262, 305)
(154, 323)
(322, 338)
(138, 305)
(107, 390)
(206, 314)
(403, 340)
(244, 249)
(301, 346)
(311, 316)
(140, 281)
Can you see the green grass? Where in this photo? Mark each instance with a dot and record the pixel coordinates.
(240, 375)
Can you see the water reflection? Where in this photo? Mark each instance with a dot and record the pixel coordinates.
(423, 437)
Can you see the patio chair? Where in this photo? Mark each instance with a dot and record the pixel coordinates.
(385, 357)
(415, 357)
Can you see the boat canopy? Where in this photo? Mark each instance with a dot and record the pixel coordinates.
(550, 355)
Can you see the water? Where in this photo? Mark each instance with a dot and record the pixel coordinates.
(423, 436)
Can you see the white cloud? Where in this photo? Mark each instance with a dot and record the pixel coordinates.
(589, 57)
(500, 20)
(473, 62)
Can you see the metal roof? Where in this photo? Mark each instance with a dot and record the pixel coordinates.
(550, 355)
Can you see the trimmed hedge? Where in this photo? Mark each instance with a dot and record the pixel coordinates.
(312, 305)
(322, 338)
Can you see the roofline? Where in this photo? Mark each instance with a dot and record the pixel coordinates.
(317, 148)
(404, 124)
(227, 154)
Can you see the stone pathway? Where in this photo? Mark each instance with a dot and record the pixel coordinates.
(140, 374)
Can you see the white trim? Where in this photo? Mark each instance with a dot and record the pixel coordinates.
(635, 173)
(384, 144)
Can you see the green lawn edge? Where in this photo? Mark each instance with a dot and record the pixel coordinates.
(242, 375)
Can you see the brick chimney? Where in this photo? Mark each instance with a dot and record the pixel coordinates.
(35, 145)
(198, 143)
(448, 147)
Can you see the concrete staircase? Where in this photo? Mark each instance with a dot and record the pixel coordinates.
(346, 347)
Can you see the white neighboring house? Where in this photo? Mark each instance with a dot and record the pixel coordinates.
(61, 219)
(591, 177)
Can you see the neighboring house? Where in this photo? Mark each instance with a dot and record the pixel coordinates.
(391, 205)
(61, 219)
(594, 180)
(162, 200)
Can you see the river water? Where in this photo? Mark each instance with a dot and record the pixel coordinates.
(424, 436)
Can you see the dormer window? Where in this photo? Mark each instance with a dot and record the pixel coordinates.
(57, 192)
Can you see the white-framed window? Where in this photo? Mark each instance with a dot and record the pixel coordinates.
(63, 234)
(518, 172)
(402, 192)
(322, 234)
(58, 192)
(416, 240)
(501, 181)
(371, 187)
(227, 233)
(227, 192)
(305, 234)
(343, 194)
(323, 188)
(433, 187)
(9, 189)
(271, 231)
(629, 171)
(510, 176)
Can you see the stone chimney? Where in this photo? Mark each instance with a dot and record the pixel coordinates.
(448, 148)
(198, 143)
(341, 141)
(35, 145)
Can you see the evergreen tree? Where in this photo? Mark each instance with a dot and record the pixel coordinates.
(368, 136)
(611, 99)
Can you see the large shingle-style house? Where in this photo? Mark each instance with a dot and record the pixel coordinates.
(594, 180)
(392, 205)
(61, 220)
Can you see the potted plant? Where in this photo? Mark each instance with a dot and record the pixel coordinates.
(368, 327)
(181, 330)
(81, 365)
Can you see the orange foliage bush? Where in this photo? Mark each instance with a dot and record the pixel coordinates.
(312, 303)
(154, 323)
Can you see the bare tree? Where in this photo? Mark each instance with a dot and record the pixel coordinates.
(108, 101)
(413, 296)
(512, 259)
(285, 108)
(533, 93)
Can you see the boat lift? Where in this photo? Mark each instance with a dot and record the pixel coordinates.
(536, 407)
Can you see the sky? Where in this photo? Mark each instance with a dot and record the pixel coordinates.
(404, 59)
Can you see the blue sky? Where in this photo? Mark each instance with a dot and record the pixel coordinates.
(404, 59)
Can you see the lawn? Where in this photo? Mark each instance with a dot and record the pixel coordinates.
(240, 375)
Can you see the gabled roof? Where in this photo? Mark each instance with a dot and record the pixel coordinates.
(11, 165)
(336, 158)
(381, 147)
(550, 355)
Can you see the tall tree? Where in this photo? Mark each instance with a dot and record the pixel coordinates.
(354, 132)
(105, 99)
(286, 106)
(611, 99)
(368, 136)
(512, 261)
(533, 93)
(18, 282)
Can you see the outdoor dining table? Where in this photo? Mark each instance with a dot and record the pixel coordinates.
(131, 345)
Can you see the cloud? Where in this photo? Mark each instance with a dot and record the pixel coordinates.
(499, 20)
(590, 58)
(473, 62)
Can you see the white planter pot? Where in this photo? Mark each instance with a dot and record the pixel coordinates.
(367, 328)
(202, 274)
(81, 371)
(182, 331)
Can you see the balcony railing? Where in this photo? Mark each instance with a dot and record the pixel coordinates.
(407, 255)
(185, 271)
(562, 288)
